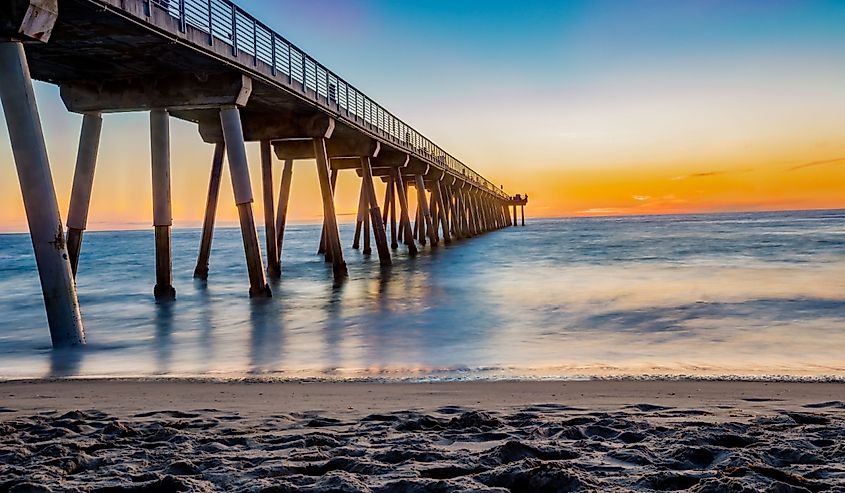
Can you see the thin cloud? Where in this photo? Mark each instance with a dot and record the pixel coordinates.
(709, 174)
(839, 160)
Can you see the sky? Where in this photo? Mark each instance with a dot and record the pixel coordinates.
(591, 107)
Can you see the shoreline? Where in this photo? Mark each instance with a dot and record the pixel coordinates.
(452, 377)
(119, 394)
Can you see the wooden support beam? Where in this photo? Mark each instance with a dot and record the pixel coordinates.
(201, 270)
(282, 211)
(274, 268)
(403, 208)
(327, 192)
(375, 213)
(523, 214)
(239, 170)
(83, 182)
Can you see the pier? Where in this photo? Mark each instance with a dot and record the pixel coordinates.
(210, 63)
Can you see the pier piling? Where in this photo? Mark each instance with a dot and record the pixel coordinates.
(359, 219)
(162, 206)
(273, 266)
(230, 120)
(375, 213)
(282, 212)
(83, 182)
(332, 236)
(403, 209)
(39, 197)
(201, 270)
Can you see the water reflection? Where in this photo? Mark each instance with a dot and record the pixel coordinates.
(66, 362)
(163, 343)
(266, 344)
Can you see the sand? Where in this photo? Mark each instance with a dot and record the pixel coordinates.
(482, 436)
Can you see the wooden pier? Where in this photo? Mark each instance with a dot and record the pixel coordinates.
(211, 63)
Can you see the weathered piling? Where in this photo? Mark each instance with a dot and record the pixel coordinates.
(201, 270)
(162, 205)
(39, 197)
(230, 120)
(83, 183)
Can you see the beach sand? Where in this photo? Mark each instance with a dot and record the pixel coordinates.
(478, 436)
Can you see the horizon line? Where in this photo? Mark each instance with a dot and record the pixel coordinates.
(234, 224)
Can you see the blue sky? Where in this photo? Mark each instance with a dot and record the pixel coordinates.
(587, 105)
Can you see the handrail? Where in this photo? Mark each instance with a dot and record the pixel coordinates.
(223, 20)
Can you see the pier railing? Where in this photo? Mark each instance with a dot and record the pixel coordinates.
(223, 20)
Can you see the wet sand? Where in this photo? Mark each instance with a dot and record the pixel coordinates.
(480, 436)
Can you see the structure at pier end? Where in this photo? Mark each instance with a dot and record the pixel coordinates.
(210, 63)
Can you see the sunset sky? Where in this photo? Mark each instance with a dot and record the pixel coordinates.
(592, 107)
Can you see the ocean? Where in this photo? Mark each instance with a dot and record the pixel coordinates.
(750, 295)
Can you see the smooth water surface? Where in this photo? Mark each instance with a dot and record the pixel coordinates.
(711, 295)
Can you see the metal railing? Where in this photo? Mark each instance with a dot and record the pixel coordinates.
(224, 21)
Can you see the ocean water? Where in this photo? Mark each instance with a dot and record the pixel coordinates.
(757, 295)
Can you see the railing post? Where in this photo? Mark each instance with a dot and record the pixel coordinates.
(273, 50)
(210, 24)
(183, 22)
(254, 43)
(290, 65)
(234, 30)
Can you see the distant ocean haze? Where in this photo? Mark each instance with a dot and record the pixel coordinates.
(733, 295)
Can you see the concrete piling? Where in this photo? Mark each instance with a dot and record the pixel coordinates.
(230, 120)
(83, 182)
(39, 197)
(201, 270)
(162, 207)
